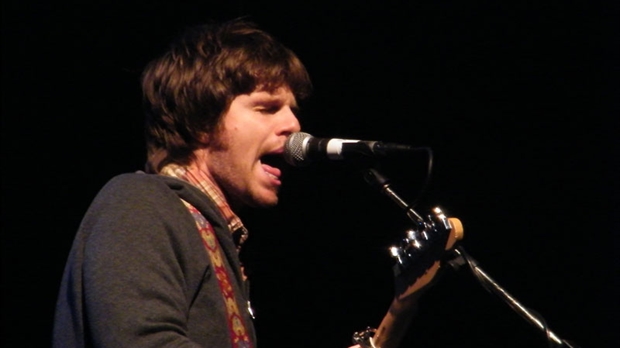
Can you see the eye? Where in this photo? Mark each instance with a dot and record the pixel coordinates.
(271, 109)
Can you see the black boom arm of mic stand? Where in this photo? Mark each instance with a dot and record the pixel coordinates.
(461, 257)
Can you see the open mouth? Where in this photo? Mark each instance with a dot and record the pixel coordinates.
(273, 160)
(273, 164)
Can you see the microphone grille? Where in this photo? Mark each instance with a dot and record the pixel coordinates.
(294, 152)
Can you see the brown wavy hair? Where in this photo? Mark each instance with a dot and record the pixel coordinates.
(188, 89)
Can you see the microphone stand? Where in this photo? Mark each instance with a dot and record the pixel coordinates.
(461, 257)
(407, 254)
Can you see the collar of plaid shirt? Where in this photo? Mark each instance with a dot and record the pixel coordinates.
(204, 184)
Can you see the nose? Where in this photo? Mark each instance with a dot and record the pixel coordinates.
(290, 123)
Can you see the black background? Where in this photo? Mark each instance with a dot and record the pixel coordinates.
(518, 101)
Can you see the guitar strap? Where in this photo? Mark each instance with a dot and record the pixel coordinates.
(238, 333)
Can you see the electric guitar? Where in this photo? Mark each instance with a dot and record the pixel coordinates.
(418, 259)
(420, 252)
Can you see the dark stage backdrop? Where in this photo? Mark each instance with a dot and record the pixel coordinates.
(517, 100)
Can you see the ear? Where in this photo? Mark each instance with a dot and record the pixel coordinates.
(205, 139)
(211, 139)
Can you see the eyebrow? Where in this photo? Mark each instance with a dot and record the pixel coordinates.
(271, 99)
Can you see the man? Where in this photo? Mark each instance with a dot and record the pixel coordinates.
(155, 261)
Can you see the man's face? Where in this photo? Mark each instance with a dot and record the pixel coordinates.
(254, 128)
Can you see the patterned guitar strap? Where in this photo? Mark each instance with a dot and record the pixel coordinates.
(238, 333)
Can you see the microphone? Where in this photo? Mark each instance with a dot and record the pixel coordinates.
(301, 149)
